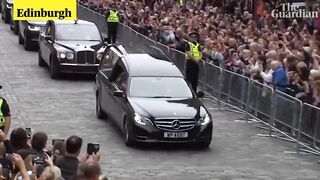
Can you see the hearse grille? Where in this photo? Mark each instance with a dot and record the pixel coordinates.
(175, 124)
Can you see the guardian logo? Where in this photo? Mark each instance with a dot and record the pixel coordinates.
(288, 10)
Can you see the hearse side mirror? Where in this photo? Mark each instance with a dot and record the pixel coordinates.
(46, 37)
(105, 38)
(200, 94)
(118, 93)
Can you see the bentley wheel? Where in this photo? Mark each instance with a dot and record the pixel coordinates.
(128, 139)
(99, 112)
(27, 43)
(16, 28)
(6, 16)
(41, 62)
(54, 72)
(21, 41)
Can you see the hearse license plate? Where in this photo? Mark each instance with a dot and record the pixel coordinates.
(176, 134)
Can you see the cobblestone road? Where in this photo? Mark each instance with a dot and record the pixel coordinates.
(66, 107)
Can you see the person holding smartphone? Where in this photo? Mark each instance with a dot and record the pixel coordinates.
(68, 163)
(5, 117)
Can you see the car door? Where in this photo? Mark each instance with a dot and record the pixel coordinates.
(111, 56)
(118, 82)
(121, 83)
(46, 45)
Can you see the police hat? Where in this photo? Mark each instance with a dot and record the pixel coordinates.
(194, 34)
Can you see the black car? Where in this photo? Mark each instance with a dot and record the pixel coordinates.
(29, 33)
(14, 24)
(149, 99)
(6, 6)
(70, 47)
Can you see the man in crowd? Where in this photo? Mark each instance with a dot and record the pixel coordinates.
(113, 19)
(89, 170)
(194, 56)
(69, 162)
(5, 117)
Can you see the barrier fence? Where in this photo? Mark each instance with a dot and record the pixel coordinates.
(292, 119)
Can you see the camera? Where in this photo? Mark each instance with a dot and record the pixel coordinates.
(56, 140)
(92, 148)
(39, 159)
(28, 130)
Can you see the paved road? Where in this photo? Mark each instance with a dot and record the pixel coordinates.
(66, 107)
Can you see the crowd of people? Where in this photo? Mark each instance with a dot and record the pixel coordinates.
(28, 157)
(233, 35)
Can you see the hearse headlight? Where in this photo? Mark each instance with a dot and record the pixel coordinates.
(34, 28)
(204, 120)
(99, 56)
(70, 56)
(138, 119)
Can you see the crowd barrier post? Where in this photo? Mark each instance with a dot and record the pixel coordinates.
(220, 88)
(299, 129)
(273, 110)
(247, 102)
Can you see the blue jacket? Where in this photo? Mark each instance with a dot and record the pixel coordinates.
(280, 79)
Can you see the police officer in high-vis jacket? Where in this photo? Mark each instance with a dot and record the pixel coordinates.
(113, 19)
(5, 117)
(193, 57)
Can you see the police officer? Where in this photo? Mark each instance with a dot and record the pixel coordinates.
(5, 117)
(193, 56)
(113, 18)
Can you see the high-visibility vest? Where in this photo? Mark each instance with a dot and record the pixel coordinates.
(181, 2)
(2, 119)
(113, 16)
(194, 48)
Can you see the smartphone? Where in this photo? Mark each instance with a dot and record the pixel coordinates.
(28, 130)
(56, 140)
(92, 148)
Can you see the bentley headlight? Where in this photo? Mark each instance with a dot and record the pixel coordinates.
(33, 28)
(204, 120)
(62, 55)
(99, 56)
(70, 56)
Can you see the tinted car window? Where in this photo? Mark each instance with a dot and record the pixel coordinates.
(109, 60)
(121, 81)
(77, 32)
(157, 87)
(49, 30)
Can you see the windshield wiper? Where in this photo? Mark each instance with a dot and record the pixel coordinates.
(160, 97)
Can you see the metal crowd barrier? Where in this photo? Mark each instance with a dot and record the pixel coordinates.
(281, 113)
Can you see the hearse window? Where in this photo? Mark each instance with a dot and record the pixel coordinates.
(122, 81)
(116, 71)
(109, 60)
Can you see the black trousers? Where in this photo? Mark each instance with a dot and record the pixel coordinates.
(192, 73)
(112, 32)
